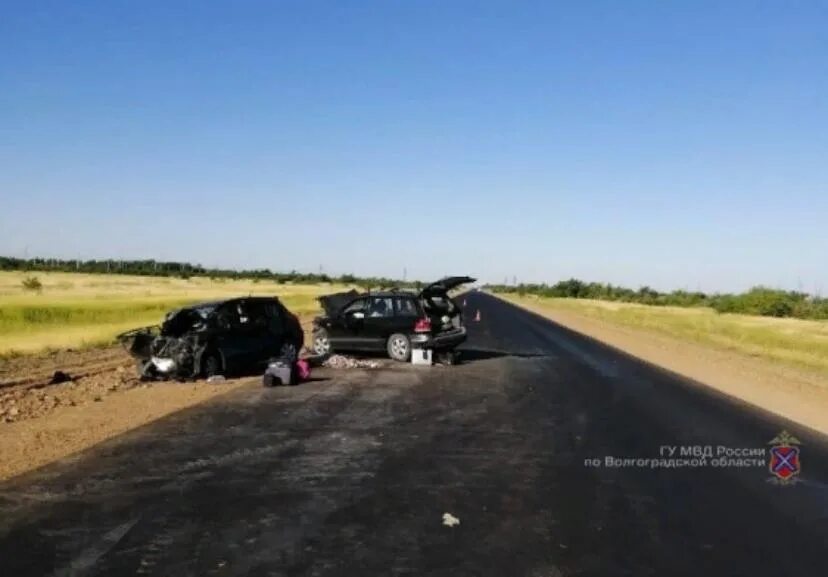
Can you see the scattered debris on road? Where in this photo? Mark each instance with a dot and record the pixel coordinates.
(450, 520)
(343, 362)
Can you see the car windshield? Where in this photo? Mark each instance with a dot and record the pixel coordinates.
(204, 311)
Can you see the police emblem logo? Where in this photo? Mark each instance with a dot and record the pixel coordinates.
(785, 462)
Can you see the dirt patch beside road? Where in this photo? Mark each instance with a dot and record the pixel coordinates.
(32, 442)
(793, 393)
(42, 420)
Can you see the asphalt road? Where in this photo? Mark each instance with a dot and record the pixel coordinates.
(352, 474)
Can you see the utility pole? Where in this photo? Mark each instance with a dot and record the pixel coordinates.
(405, 274)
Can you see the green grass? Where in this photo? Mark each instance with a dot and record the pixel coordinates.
(81, 310)
(794, 342)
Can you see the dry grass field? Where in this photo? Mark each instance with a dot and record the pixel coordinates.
(81, 310)
(794, 342)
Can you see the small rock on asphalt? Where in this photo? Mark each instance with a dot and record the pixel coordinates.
(450, 520)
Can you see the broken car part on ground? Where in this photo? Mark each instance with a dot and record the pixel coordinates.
(394, 321)
(232, 336)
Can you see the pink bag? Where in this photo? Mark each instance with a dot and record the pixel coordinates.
(302, 370)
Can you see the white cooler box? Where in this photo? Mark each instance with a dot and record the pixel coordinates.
(422, 357)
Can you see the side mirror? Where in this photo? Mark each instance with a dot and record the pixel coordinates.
(358, 315)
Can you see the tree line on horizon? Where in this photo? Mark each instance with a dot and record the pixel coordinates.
(759, 300)
(149, 267)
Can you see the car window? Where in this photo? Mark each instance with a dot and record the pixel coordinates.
(406, 307)
(357, 305)
(274, 315)
(227, 316)
(438, 303)
(205, 311)
(255, 312)
(381, 307)
(243, 312)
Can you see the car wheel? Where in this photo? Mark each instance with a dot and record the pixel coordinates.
(146, 370)
(399, 347)
(211, 365)
(321, 342)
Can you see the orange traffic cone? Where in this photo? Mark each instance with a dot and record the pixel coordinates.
(477, 316)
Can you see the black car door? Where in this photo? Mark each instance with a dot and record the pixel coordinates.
(265, 332)
(406, 313)
(277, 330)
(228, 335)
(238, 338)
(380, 323)
(345, 331)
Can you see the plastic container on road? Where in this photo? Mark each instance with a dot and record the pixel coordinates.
(422, 357)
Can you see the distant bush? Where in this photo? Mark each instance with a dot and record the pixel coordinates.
(760, 301)
(32, 283)
(763, 302)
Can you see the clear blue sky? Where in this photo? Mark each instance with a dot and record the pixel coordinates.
(675, 144)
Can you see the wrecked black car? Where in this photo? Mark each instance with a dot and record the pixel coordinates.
(394, 321)
(216, 338)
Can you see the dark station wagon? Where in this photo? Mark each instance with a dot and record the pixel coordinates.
(394, 321)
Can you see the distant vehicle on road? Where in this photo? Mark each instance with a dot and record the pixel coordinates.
(394, 321)
(215, 338)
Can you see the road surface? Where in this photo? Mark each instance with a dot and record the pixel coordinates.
(352, 474)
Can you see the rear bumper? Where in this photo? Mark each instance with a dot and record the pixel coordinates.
(441, 341)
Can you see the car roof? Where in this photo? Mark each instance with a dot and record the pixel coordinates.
(389, 293)
(217, 303)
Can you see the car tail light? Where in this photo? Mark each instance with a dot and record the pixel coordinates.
(422, 326)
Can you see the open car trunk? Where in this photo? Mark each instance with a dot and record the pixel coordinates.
(444, 313)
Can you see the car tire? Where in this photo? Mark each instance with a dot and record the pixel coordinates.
(322, 342)
(145, 369)
(211, 365)
(399, 347)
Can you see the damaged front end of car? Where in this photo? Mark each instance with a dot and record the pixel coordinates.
(171, 351)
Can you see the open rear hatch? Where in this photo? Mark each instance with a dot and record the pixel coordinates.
(444, 313)
(444, 285)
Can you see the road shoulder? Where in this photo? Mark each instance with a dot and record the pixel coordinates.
(795, 394)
